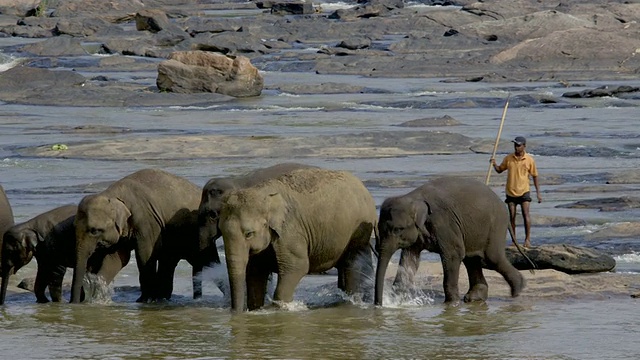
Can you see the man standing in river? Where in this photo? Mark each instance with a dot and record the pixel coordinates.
(520, 166)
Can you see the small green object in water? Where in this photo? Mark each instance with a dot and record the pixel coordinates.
(58, 147)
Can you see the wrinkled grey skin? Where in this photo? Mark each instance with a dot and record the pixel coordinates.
(462, 220)
(50, 238)
(150, 212)
(215, 189)
(305, 221)
(6, 214)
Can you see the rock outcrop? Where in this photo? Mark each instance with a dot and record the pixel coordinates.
(561, 257)
(201, 71)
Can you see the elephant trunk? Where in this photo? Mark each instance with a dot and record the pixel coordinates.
(5, 282)
(237, 270)
(381, 270)
(79, 270)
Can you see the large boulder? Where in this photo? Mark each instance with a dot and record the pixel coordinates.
(561, 257)
(202, 71)
(18, 7)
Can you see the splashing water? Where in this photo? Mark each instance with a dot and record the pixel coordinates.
(96, 290)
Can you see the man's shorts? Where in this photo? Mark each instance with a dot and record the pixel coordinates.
(520, 199)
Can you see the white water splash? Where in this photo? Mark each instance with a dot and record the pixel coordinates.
(96, 290)
(628, 258)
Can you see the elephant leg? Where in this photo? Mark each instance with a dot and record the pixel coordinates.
(358, 269)
(451, 272)
(497, 260)
(257, 279)
(147, 278)
(342, 285)
(407, 267)
(55, 282)
(290, 273)
(42, 281)
(112, 263)
(478, 288)
(196, 281)
(164, 281)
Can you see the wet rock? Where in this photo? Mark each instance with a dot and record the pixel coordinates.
(291, 7)
(200, 71)
(153, 20)
(617, 230)
(355, 43)
(606, 204)
(63, 45)
(27, 284)
(19, 7)
(445, 120)
(601, 91)
(561, 257)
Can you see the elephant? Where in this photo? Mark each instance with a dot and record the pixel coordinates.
(152, 212)
(6, 213)
(305, 221)
(462, 220)
(50, 238)
(216, 188)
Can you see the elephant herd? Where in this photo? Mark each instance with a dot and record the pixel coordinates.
(290, 219)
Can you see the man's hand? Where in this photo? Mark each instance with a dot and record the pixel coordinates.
(539, 198)
(492, 161)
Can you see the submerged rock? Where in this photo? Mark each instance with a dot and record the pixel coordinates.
(569, 259)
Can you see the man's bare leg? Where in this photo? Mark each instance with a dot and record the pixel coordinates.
(512, 216)
(527, 223)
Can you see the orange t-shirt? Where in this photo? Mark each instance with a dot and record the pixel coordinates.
(519, 169)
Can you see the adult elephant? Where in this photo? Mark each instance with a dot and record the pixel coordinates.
(147, 212)
(307, 220)
(6, 214)
(463, 220)
(50, 238)
(216, 188)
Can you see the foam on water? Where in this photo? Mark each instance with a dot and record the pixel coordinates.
(628, 258)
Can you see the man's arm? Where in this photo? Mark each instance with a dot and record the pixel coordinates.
(535, 183)
(497, 168)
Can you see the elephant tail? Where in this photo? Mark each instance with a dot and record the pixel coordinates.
(521, 251)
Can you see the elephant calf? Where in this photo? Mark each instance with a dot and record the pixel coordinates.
(462, 220)
(307, 220)
(153, 213)
(50, 237)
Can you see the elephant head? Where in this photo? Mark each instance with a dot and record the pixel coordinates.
(18, 247)
(401, 225)
(250, 220)
(100, 222)
(209, 212)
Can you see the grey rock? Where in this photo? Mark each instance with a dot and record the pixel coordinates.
(569, 259)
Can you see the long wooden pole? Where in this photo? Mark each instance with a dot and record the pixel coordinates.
(495, 147)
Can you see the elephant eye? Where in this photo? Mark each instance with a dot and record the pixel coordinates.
(397, 230)
(95, 231)
(213, 215)
(249, 234)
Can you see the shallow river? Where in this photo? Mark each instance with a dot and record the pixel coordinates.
(322, 323)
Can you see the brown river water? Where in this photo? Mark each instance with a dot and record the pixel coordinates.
(576, 144)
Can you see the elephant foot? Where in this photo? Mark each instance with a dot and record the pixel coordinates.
(517, 288)
(479, 292)
(42, 300)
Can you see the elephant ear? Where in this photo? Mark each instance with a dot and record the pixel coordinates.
(30, 239)
(121, 217)
(422, 211)
(277, 212)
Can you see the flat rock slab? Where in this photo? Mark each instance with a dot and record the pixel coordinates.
(569, 259)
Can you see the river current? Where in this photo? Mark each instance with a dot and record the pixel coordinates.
(322, 322)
